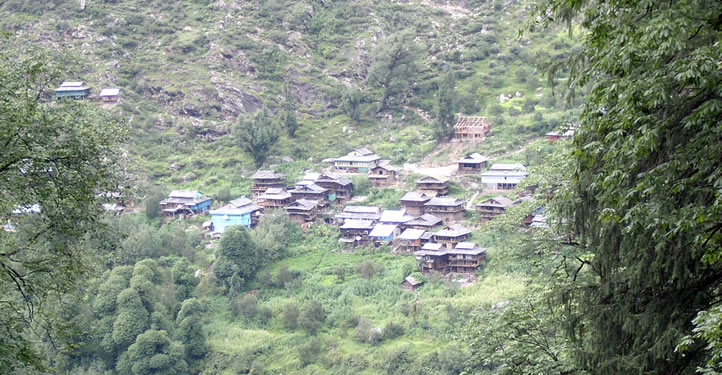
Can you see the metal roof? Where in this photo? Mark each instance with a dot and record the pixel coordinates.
(185, 194)
(412, 234)
(357, 224)
(507, 167)
(395, 216)
(382, 230)
(109, 92)
(474, 158)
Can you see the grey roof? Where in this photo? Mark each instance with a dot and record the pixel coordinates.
(357, 224)
(185, 194)
(359, 213)
(275, 193)
(185, 201)
(433, 246)
(474, 158)
(474, 251)
(415, 197)
(303, 205)
(364, 151)
(507, 167)
(238, 206)
(497, 201)
(411, 280)
(395, 216)
(72, 84)
(32, 209)
(455, 231)
(109, 92)
(426, 236)
(382, 230)
(432, 253)
(430, 180)
(412, 234)
(362, 209)
(328, 177)
(386, 164)
(425, 219)
(240, 202)
(309, 188)
(267, 174)
(465, 245)
(444, 201)
(311, 176)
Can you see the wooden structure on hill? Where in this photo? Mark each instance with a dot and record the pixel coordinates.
(275, 198)
(355, 232)
(264, 180)
(433, 186)
(413, 203)
(493, 207)
(447, 209)
(384, 174)
(240, 211)
(450, 236)
(472, 163)
(302, 211)
(340, 188)
(184, 202)
(72, 90)
(110, 95)
(360, 160)
(465, 257)
(310, 191)
(472, 128)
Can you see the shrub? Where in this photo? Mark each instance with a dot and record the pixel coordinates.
(289, 316)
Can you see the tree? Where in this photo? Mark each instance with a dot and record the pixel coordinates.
(288, 111)
(154, 353)
(132, 320)
(289, 316)
(393, 67)
(312, 317)
(189, 331)
(644, 199)
(184, 281)
(237, 255)
(351, 101)
(152, 204)
(256, 135)
(55, 159)
(445, 119)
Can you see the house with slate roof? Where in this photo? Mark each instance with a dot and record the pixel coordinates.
(432, 186)
(109, 95)
(493, 207)
(472, 163)
(263, 180)
(382, 233)
(413, 202)
(275, 198)
(452, 235)
(384, 174)
(447, 209)
(340, 188)
(362, 213)
(503, 176)
(185, 202)
(410, 240)
(310, 191)
(302, 210)
(425, 222)
(240, 211)
(355, 232)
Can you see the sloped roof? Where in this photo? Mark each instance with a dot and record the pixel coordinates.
(185, 194)
(329, 177)
(465, 245)
(310, 187)
(267, 174)
(430, 180)
(474, 158)
(303, 204)
(109, 92)
(412, 234)
(507, 167)
(395, 216)
(236, 209)
(382, 230)
(72, 84)
(433, 246)
(414, 196)
(386, 164)
(275, 193)
(362, 209)
(454, 231)
(412, 280)
(364, 151)
(357, 224)
(240, 202)
(444, 201)
(472, 122)
(425, 219)
(498, 201)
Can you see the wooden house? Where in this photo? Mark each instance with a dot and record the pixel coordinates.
(493, 207)
(431, 257)
(359, 213)
(384, 174)
(109, 95)
(382, 233)
(340, 188)
(466, 257)
(447, 209)
(472, 163)
(450, 236)
(394, 217)
(264, 180)
(302, 210)
(72, 90)
(413, 203)
(410, 284)
(310, 191)
(472, 128)
(425, 222)
(410, 240)
(275, 198)
(355, 232)
(556, 135)
(360, 160)
(240, 211)
(184, 202)
(433, 186)
(503, 176)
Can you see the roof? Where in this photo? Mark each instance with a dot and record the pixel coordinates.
(465, 245)
(275, 193)
(362, 209)
(411, 280)
(236, 207)
(32, 209)
(497, 201)
(359, 213)
(72, 84)
(444, 201)
(474, 251)
(113, 207)
(474, 158)
(539, 221)
(309, 187)
(430, 180)
(185, 194)
(455, 231)
(426, 236)
(329, 177)
(359, 154)
(507, 167)
(564, 134)
(425, 219)
(433, 246)
(303, 204)
(386, 164)
(472, 122)
(185, 201)
(363, 151)
(382, 230)
(311, 176)
(412, 234)
(267, 174)
(414, 196)
(240, 202)
(395, 216)
(109, 92)
(357, 224)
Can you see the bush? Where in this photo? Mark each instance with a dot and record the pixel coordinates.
(393, 330)
(308, 352)
(283, 277)
(312, 317)
(247, 305)
(367, 268)
(289, 317)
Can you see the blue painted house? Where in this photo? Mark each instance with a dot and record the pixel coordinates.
(184, 202)
(382, 233)
(239, 211)
(73, 90)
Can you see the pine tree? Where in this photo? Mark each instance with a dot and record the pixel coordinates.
(445, 119)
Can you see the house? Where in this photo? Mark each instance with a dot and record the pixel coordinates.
(450, 236)
(240, 211)
(447, 209)
(538, 221)
(410, 240)
(264, 180)
(466, 257)
(310, 191)
(360, 160)
(410, 284)
(503, 176)
(472, 163)
(493, 207)
(302, 210)
(433, 186)
(413, 203)
(472, 128)
(554, 136)
(384, 174)
(73, 90)
(275, 198)
(185, 202)
(425, 222)
(115, 208)
(359, 213)
(431, 258)
(394, 217)
(355, 232)
(382, 233)
(340, 188)
(109, 95)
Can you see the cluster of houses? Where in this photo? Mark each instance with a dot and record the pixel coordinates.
(80, 90)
